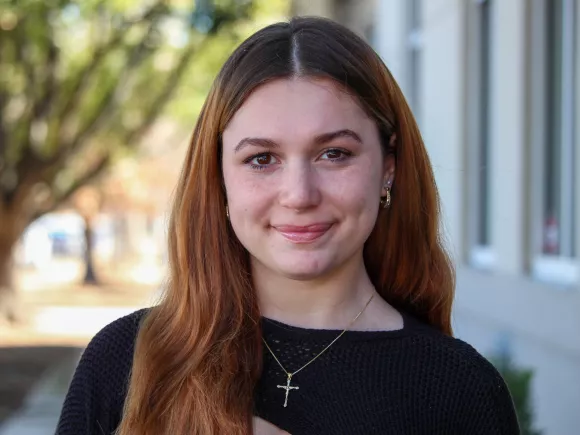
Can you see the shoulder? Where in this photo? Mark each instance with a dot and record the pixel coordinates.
(454, 355)
(487, 405)
(109, 355)
(447, 351)
(97, 391)
(117, 338)
(476, 371)
(484, 402)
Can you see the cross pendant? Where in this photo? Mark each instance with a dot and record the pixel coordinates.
(287, 387)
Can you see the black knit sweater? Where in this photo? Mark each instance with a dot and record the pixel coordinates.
(411, 381)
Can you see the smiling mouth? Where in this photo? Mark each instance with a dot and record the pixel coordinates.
(303, 234)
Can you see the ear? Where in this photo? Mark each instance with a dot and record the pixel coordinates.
(389, 165)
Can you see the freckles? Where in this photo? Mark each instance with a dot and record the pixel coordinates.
(253, 191)
(242, 181)
(261, 182)
(253, 194)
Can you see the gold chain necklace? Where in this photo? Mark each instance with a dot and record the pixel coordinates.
(289, 375)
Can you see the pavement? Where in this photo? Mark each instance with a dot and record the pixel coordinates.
(41, 408)
(38, 357)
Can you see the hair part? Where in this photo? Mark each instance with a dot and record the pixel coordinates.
(198, 353)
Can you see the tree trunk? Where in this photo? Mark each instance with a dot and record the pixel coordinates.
(90, 275)
(13, 222)
(8, 301)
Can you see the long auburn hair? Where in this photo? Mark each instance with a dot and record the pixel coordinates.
(198, 353)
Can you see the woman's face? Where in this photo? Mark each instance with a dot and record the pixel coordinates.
(304, 174)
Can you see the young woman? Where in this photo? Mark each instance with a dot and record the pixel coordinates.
(309, 290)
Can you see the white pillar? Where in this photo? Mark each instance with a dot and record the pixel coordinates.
(508, 158)
(390, 38)
(442, 108)
(577, 144)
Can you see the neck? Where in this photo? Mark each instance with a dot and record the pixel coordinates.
(329, 302)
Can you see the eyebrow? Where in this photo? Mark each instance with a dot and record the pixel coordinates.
(318, 140)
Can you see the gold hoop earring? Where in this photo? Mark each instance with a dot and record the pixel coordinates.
(386, 201)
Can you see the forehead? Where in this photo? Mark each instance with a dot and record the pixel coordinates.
(297, 106)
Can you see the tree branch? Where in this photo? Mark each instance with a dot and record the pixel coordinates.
(89, 176)
(30, 168)
(60, 104)
(132, 138)
(81, 82)
(21, 132)
(3, 136)
(106, 109)
(3, 104)
(21, 36)
(29, 171)
(45, 100)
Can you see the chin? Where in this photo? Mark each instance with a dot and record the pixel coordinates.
(302, 270)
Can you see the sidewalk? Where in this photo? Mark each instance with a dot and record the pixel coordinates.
(38, 357)
(39, 415)
(40, 411)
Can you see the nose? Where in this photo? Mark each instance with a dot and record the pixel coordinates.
(299, 188)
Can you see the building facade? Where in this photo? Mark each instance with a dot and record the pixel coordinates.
(495, 86)
(359, 16)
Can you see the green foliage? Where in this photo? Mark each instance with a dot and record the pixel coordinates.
(202, 71)
(82, 79)
(519, 382)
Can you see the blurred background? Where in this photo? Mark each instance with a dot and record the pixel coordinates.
(97, 102)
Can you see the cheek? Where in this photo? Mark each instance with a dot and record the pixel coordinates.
(359, 188)
(247, 197)
(237, 190)
(363, 205)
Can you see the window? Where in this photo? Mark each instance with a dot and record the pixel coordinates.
(479, 91)
(414, 43)
(556, 229)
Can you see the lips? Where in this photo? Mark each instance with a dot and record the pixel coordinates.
(303, 234)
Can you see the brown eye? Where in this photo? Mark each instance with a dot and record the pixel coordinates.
(264, 159)
(261, 161)
(333, 154)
